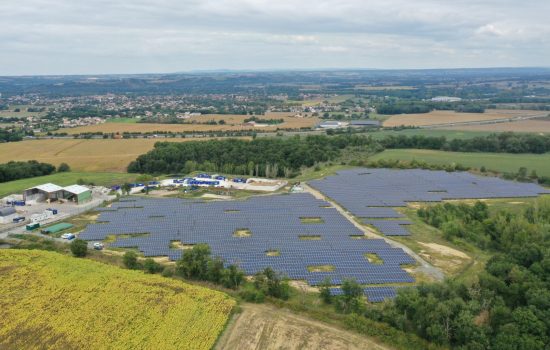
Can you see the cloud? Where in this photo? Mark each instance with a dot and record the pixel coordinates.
(115, 36)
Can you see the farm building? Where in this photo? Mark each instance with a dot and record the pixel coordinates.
(50, 192)
(7, 214)
(43, 193)
(76, 193)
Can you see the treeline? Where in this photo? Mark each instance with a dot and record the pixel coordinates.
(264, 121)
(415, 107)
(21, 170)
(494, 143)
(10, 136)
(270, 157)
(507, 308)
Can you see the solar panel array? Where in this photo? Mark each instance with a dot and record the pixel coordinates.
(390, 227)
(374, 294)
(275, 224)
(371, 193)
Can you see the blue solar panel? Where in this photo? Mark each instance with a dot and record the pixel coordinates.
(275, 223)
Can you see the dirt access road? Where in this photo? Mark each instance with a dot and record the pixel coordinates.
(264, 327)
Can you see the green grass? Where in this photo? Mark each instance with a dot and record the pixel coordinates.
(65, 179)
(122, 120)
(499, 162)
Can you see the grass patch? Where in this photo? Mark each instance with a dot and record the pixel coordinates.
(273, 252)
(242, 232)
(310, 237)
(312, 220)
(180, 246)
(373, 258)
(321, 268)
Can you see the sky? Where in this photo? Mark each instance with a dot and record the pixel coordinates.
(136, 36)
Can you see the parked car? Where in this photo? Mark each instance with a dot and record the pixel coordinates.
(98, 246)
(18, 219)
(68, 236)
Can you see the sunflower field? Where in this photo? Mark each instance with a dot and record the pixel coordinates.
(49, 300)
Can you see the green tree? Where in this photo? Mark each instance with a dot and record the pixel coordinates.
(79, 248)
(324, 291)
(232, 277)
(151, 266)
(63, 168)
(130, 260)
(194, 262)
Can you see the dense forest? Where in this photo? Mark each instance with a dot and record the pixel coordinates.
(21, 170)
(269, 157)
(508, 307)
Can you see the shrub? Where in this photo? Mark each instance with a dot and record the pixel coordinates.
(63, 168)
(130, 260)
(79, 248)
(151, 266)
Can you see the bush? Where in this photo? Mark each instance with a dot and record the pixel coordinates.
(79, 248)
(63, 168)
(252, 295)
(151, 266)
(130, 260)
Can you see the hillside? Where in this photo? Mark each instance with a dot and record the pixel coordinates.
(58, 302)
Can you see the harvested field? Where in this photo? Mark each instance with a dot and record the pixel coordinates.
(450, 117)
(265, 327)
(541, 126)
(232, 123)
(53, 301)
(82, 155)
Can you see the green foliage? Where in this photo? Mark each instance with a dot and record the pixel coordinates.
(351, 300)
(269, 157)
(130, 260)
(197, 264)
(79, 248)
(324, 291)
(509, 306)
(63, 168)
(151, 266)
(21, 170)
(251, 294)
(272, 284)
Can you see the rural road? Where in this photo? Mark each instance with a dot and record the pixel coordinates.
(424, 267)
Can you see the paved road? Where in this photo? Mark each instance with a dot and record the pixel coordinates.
(424, 267)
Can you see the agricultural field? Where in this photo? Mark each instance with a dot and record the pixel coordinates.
(232, 123)
(265, 327)
(22, 114)
(541, 126)
(94, 155)
(66, 179)
(449, 117)
(72, 303)
(499, 162)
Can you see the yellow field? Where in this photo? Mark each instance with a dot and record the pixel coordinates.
(82, 155)
(533, 125)
(233, 123)
(53, 301)
(449, 117)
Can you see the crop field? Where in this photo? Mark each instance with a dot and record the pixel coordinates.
(66, 179)
(450, 134)
(54, 301)
(22, 114)
(95, 155)
(449, 117)
(232, 123)
(500, 162)
(541, 126)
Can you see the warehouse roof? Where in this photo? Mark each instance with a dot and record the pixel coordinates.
(49, 188)
(76, 189)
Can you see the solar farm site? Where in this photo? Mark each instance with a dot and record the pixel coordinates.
(372, 194)
(295, 234)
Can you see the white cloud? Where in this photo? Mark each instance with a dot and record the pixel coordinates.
(64, 36)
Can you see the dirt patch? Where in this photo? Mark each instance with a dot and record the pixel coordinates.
(444, 250)
(265, 327)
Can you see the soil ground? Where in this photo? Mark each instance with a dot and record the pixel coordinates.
(264, 327)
